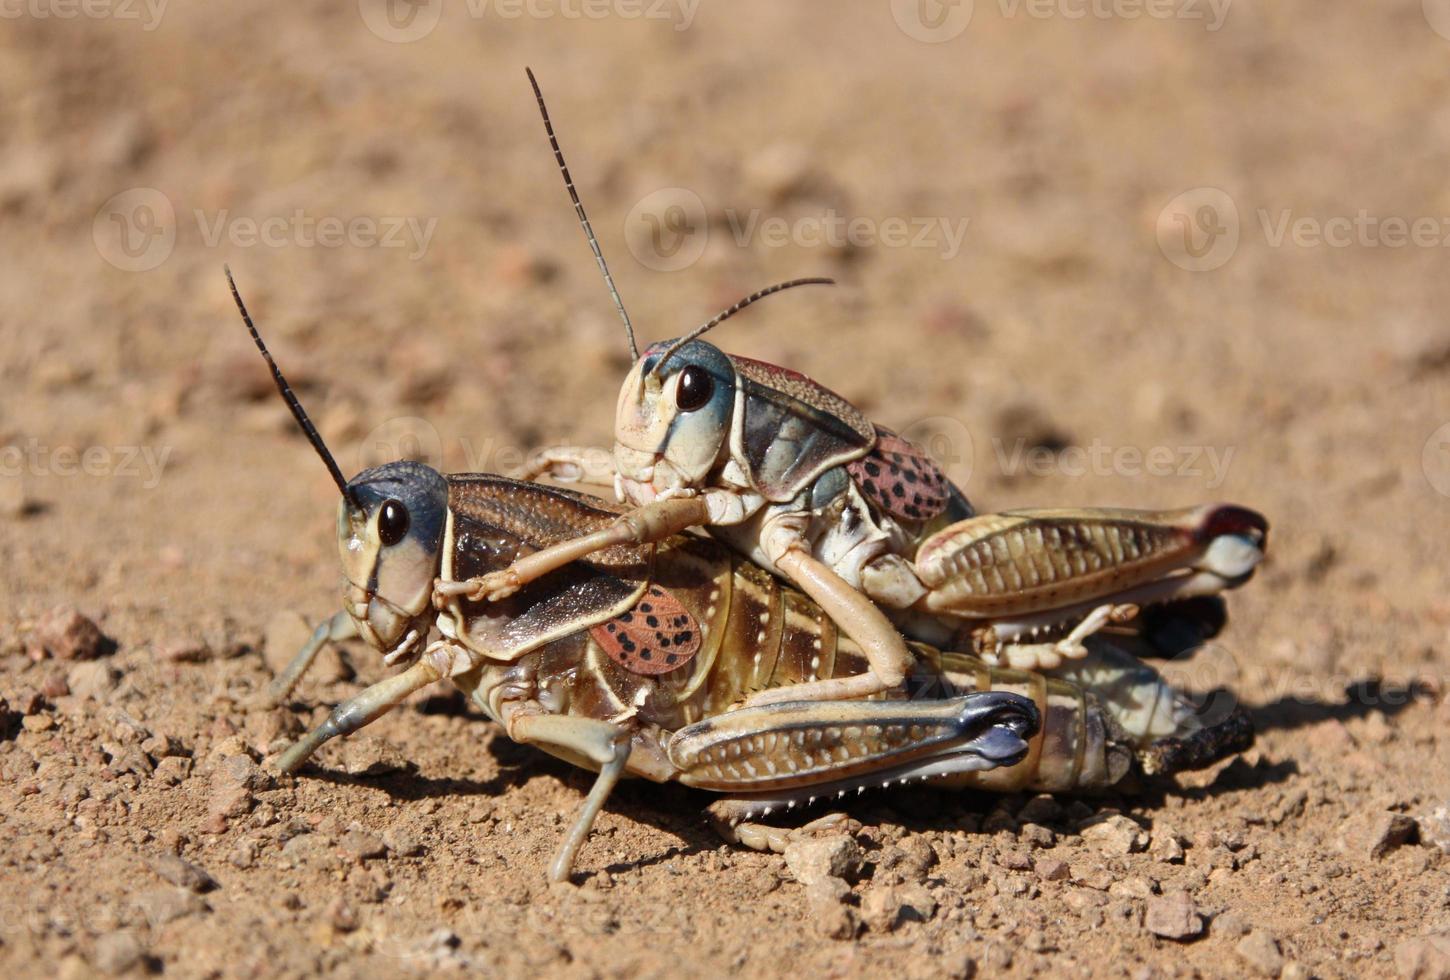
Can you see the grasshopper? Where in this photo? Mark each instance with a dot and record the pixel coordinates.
(794, 477)
(702, 628)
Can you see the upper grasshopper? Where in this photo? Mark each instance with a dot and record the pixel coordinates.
(795, 477)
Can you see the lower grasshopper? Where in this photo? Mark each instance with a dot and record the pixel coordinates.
(801, 482)
(701, 629)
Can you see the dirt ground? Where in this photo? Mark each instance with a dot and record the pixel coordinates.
(1024, 286)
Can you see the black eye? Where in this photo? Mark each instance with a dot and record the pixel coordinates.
(696, 387)
(393, 522)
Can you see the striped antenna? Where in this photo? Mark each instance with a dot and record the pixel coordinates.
(726, 314)
(307, 427)
(583, 218)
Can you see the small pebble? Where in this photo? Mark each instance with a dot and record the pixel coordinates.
(401, 844)
(1115, 834)
(1261, 952)
(1389, 831)
(1166, 846)
(360, 845)
(117, 952)
(163, 905)
(54, 686)
(65, 634)
(1173, 916)
(185, 652)
(1015, 859)
(1424, 957)
(181, 873)
(1435, 829)
(814, 858)
(341, 916)
(95, 679)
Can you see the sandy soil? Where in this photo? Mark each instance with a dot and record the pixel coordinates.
(1314, 374)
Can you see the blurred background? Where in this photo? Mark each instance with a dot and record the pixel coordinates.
(1090, 252)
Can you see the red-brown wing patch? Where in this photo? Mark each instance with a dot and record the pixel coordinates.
(900, 479)
(655, 637)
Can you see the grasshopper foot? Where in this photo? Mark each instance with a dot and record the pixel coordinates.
(492, 587)
(725, 817)
(495, 586)
(1050, 656)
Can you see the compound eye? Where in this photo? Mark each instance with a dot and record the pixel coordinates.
(696, 388)
(393, 522)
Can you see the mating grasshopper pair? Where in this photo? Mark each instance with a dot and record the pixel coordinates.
(795, 478)
(607, 637)
(545, 663)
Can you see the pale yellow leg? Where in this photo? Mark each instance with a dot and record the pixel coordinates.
(724, 816)
(1050, 656)
(859, 618)
(338, 628)
(652, 522)
(590, 465)
(603, 743)
(359, 710)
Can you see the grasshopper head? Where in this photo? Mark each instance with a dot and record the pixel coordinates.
(390, 527)
(672, 423)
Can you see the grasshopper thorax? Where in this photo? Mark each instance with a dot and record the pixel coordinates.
(672, 424)
(390, 528)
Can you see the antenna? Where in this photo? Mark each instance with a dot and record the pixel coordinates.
(287, 395)
(583, 218)
(726, 314)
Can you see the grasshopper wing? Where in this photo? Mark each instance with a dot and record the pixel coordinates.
(497, 520)
(657, 635)
(900, 479)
